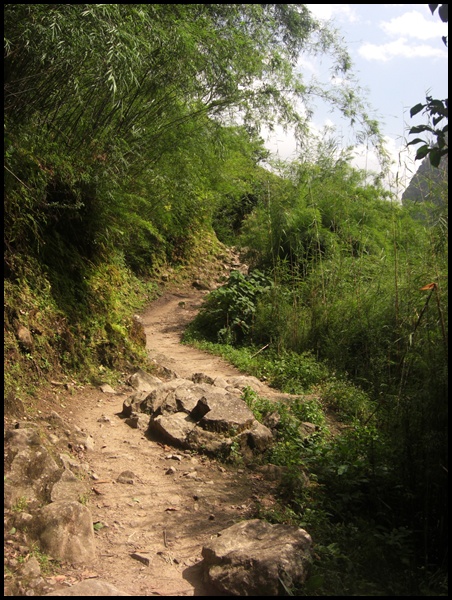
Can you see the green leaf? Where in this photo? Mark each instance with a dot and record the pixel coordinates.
(436, 120)
(416, 141)
(98, 525)
(437, 106)
(422, 152)
(441, 141)
(443, 12)
(313, 584)
(416, 109)
(435, 157)
(419, 129)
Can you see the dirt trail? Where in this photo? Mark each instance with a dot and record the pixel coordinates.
(165, 515)
(164, 322)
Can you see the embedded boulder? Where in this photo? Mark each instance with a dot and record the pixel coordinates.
(225, 414)
(255, 440)
(209, 443)
(204, 417)
(149, 402)
(68, 487)
(37, 476)
(134, 403)
(173, 429)
(65, 531)
(143, 382)
(256, 558)
(33, 472)
(25, 338)
(240, 382)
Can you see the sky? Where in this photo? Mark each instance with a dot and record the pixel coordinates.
(398, 57)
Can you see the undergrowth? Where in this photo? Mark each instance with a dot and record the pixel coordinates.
(338, 480)
(92, 337)
(342, 489)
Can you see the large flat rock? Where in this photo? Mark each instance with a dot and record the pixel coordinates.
(226, 414)
(256, 558)
(172, 429)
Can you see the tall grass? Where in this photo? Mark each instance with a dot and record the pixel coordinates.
(360, 282)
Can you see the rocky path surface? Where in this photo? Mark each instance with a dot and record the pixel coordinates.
(154, 506)
(177, 500)
(169, 504)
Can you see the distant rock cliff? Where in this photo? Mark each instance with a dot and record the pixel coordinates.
(426, 184)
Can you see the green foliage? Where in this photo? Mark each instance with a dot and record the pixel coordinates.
(436, 110)
(20, 505)
(295, 372)
(240, 183)
(47, 564)
(349, 274)
(148, 70)
(118, 161)
(120, 146)
(228, 312)
(349, 401)
(318, 213)
(261, 407)
(76, 329)
(343, 490)
(310, 410)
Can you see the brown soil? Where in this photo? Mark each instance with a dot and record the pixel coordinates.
(166, 515)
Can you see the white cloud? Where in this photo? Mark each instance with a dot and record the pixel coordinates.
(365, 159)
(327, 11)
(306, 64)
(280, 143)
(400, 47)
(415, 25)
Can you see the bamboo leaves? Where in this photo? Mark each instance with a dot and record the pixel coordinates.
(111, 63)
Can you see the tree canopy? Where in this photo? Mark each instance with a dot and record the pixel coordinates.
(90, 73)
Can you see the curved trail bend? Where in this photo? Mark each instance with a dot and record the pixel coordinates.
(164, 322)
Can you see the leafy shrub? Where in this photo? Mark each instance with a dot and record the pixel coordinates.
(310, 410)
(280, 318)
(228, 313)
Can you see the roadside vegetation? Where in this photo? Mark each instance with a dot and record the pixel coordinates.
(345, 306)
(132, 149)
